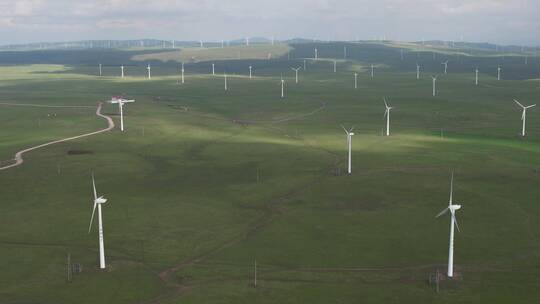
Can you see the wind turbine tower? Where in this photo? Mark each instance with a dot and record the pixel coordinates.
(296, 73)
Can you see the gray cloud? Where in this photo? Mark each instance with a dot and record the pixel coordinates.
(500, 21)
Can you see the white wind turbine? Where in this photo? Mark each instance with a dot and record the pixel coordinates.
(349, 146)
(445, 66)
(182, 70)
(434, 85)
(453, 222)
(213, 69)
(356, 80)
(121, 101)
(100, 71)
(250, 70)
(149, 71)
(247, 41)
(524, 115)
(296, 73)
(225, 80)
(417, 71)
(316, 53)
(387, 115)
(476, 79)
(499, 69)
(304, 64)
(122, 71)
(282, 87)
(98, 201)
(335, 66)
(372, 71)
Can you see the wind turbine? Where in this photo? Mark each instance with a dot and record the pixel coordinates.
(453, 222)
(372, 71)
(356, 80)
(213, 69)
(349, 146)
(304, 64)
(345, 52)
(499, 72)
(122, 70)
(417, 71)
(98, 201)
(149, 71)
(335, 66)
(121, 101)
(387, 115)
(296, 73)
(282, 87)
(434, 85)
(524, 115)
(100, 72)
(445, 66)
(182, 73)
(201, 44)
(316, 54)
(247, 41)
(225, 79)
(476, 79)
(250, 69)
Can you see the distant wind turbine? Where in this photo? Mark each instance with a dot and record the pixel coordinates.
(476, 79)
(225, 80)
(356, 80)
(250, 69)
(182, 70)
(122, 71)
(453, 222)
(524, 115)
(434, 85)
(296, 73)
(316, 53)
(349, 146)
(213, 69)
(445, 66)
(121, 101)
(417, 71)
(335, 66)
(499, 72)
(100, 72)
(282, 87)
(372, 71)
(387, 115)
(149, 71)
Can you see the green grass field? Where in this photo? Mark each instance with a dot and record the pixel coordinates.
(204, 182)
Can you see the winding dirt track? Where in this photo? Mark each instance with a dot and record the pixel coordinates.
(19, 155)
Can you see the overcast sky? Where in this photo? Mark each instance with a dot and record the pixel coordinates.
(498, 21)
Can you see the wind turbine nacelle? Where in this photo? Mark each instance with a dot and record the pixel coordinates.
(455, 207)
(100, 200)
(351, 134)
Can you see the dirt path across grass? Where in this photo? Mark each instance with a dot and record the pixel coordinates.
(18, 160)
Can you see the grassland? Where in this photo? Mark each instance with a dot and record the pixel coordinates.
(204, 182)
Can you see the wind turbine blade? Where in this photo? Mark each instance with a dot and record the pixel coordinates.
(385, 113)
(519, 103)
(352, 129)
(534, 105)
(92, 218)
(455, 221)
(344, 129)
(451, 189)
(94, 186)
(442, 212)
(385, 103)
